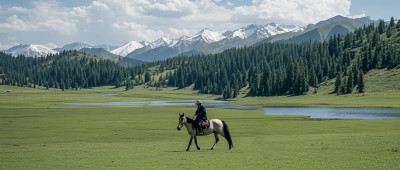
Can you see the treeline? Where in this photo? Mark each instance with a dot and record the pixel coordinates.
(267, 70)
(66, 70)
(378, 47)
(286, 69)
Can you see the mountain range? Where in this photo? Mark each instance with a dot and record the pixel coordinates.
(206, 41)
(320, 31)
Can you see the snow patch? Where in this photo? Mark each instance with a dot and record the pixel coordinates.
(30, 50)
(128, 48)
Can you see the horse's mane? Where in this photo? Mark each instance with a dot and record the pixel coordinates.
(189, 120)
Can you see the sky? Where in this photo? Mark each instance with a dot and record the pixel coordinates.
(54, 23)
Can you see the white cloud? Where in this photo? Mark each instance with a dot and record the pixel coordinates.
(363, 14)
(12, 38)
(129, 26)
(44, 16)
(296, 11)
(229, 3)
(180, 32)
(13, 23)
(118, 21)
(19, 9)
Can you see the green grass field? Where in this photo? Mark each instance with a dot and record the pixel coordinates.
(37, 132)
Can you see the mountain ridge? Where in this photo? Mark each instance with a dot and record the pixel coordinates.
(30, 50)
(208, 41)
(325, 29)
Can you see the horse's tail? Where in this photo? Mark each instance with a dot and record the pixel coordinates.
(227, 134)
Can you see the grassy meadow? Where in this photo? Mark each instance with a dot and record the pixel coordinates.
(37, 132)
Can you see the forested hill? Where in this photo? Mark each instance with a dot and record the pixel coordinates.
(267, 69)
(68, 69)
(287, 69)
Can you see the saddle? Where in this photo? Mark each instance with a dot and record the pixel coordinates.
(205, 124)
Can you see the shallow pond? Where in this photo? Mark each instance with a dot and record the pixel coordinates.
(207, 103)
(319, 113)
(336, 113)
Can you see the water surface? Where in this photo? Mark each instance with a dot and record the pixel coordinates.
(207, 103)
(336, 113)
(318, 113)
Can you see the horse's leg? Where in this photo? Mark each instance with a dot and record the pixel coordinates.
(190, 142)
(195, 141)
(216, 140)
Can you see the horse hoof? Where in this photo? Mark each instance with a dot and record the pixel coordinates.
(198, 148)
(187, 150)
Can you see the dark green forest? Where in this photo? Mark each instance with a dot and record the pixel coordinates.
(267, 70)
(288, 68)
(68, 69)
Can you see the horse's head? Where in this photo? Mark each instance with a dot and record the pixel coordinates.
(182, 120)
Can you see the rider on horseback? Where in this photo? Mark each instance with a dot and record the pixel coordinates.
(201, 116)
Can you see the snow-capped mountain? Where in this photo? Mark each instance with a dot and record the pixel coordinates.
(165, 48)
(261, 31)
(150, 48)
(320, 31)
(200, 39)
(243, 36)
(30, 50)
(207, 41)
(128, 48)
(73, 46)
(207, 36)
(159, 43)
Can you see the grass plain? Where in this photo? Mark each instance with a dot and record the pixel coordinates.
(37, 132)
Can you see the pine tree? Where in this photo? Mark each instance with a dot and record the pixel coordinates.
(361, 84)
(235, 89)
(338, 83)
(160, 81)
(127, 85)
(342, 88)
(349, 84)
(313, 78)
(381, 26)
(391, 24)
(62, 85)
(266, 82)
(147, 77)
(117, 83)
(227, 94)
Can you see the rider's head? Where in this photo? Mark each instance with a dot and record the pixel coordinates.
(198, 102)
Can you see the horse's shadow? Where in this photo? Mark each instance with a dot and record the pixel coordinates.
(189, 151)
(174, 151)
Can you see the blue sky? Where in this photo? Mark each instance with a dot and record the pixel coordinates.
(58, 22)
(376, 9)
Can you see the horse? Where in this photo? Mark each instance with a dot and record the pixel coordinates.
(216, 126)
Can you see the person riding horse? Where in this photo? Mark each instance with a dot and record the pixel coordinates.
(201, 115)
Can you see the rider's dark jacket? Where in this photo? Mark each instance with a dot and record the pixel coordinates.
(201, 115)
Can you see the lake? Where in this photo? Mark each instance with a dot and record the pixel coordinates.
(207, 103)
(317, 113)
(336, 113)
